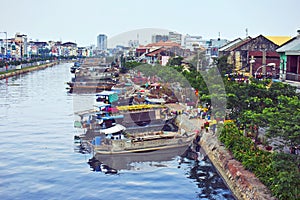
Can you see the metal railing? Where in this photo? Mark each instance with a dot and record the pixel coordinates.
(22, 66)
(292, 76)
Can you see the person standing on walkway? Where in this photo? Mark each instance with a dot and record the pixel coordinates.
(206, 125)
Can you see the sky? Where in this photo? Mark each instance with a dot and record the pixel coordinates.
(80, 21)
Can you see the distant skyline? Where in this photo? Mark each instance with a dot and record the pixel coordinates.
(82, 21)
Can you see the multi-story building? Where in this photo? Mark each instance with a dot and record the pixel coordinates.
(36, 49)
(192, 42)
(69, 49)
(133, 43)
(214, 45)
(21, 49)
(102, 42)
(175, 37)
(2, 48)
(157, 38)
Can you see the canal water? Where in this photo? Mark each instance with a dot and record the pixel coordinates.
(39, 159)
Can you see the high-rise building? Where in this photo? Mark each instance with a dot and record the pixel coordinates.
(21, 39)
(102, 42)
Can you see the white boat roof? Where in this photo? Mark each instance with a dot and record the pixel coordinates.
(101, 104)
(155, 100)
(105, 93)
(113, 129)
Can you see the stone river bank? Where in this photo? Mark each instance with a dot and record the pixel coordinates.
(244, 184)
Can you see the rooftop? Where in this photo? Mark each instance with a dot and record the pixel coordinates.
(279, 40)
(163, 44)
(230, 44)
(292, 45)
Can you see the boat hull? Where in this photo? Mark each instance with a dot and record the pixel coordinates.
(124, 161)
(143, 145)
(89, 89)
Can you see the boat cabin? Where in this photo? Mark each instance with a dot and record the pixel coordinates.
(115, 132)
(107, 97)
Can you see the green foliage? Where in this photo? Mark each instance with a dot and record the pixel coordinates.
(129, 65)
(286, 176)
(283, 120)
(167, 74)
(132, 64)
(175, 61)
(278, 171)
(199, 60)
(276, 107)
(223, 66)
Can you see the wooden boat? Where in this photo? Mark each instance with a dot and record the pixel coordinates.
(108, 163)
(75, 67)
(136, 118)
(115, 140)
(89, 88)
(101, 82)
(105, 136)
(95, 73)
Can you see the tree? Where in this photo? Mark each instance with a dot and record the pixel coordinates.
(223, 66)
(284, 119)
(175, 61)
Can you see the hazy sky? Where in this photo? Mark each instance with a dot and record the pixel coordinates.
(81, 21)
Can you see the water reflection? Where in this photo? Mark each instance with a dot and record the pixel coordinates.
(197, 165)
(209, 182)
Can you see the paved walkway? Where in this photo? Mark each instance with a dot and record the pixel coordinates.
(193, 124)
(293, 83)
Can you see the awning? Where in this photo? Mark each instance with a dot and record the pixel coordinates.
(105, 93)
(114, 129)
(155, 84)
(159, 101)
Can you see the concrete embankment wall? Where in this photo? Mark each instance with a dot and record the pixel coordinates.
(244, 184)
(26, 70)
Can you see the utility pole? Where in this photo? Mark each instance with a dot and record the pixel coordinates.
(198, 61)
(264, 62)
(251, 66)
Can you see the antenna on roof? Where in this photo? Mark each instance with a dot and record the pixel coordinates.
(246, 32)
(219, 36)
